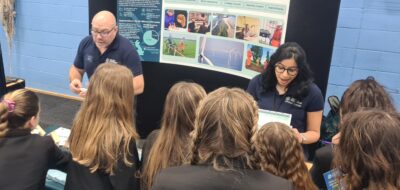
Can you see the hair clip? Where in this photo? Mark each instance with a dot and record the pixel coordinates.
(10, 105)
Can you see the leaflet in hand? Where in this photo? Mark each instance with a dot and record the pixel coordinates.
(60, 135)
(266, 116)
(331, 178)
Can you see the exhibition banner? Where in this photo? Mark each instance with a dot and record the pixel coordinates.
(231, 36)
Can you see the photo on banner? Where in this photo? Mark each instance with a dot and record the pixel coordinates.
(199, 22)
(258, 57)
(177, 44)
(247, 28)
(223, 25)
(220, 53)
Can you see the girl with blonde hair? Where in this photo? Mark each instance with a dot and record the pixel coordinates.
(102, 140)
(25, 158)
(278, 151)
(220, 153)
(170, 142)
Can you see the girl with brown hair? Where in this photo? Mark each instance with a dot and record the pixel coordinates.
(220, 153)
(25, 158)
(167, 147)
(369, 150)
(365, 93)
(362, 94)
(102, 140)
(278, 151)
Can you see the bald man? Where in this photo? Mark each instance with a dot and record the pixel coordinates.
(104, 45)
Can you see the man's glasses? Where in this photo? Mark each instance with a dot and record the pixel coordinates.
(102, 33)
(292, 71)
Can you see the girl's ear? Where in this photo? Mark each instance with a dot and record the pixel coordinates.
(32, 122)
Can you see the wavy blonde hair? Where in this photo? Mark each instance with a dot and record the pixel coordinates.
(369, 150)
(225, 121)
(170, 148)
(278, 151)
(26, 107)
(104, 127)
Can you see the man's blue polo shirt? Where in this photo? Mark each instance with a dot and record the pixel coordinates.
(120, 51)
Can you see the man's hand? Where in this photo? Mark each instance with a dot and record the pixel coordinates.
(138, 84)
(75, 76)
(82, 94)
(75, 86)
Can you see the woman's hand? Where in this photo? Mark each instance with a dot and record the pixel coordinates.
(336, 139)
(298, 135)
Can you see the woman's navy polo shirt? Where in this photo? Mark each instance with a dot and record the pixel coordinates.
(271, 100)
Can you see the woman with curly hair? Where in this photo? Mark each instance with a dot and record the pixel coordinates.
(220, 149)
(278, 151)
(368, 153)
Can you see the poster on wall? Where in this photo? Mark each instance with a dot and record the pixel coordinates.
(231, 36)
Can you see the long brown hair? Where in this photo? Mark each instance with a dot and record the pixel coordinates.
(104, 126)
(278, 151)
(369, 150)
(365, 93)
(225, 121)
(16, 109)
(170, 148)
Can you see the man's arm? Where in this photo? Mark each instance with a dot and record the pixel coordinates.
(138, 84)
(75, 78)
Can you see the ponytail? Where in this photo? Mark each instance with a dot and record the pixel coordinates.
(16, 109)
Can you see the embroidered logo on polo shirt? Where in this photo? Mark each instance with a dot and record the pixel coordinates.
(293, 101)
(109, 60)
(89, 58)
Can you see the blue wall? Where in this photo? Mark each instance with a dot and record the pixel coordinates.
(48, 33)
(367, 43)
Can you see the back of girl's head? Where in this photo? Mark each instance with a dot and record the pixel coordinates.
(111, 87)
(224, 124)
(104, 125)
(365, 93)
(369, 150)
(170, 147)
(180, 107)
(16, 109)
(288, 50)
(278, 151)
